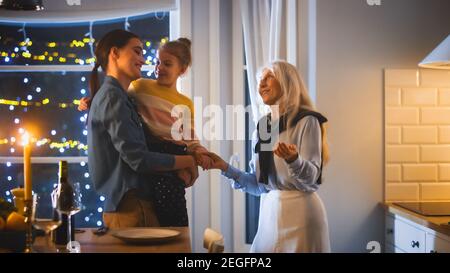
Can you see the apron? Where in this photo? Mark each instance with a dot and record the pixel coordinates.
(291, 221)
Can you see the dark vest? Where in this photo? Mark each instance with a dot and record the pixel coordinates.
(266, 157)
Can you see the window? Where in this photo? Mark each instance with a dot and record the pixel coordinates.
(44, 71)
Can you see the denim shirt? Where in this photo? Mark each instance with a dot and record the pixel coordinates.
(119, 159)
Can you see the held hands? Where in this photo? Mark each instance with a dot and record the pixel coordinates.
(203, 158)
(218, 162)
(286, 151)
(84, 104)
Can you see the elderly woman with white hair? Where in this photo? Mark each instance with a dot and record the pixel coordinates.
(292, 216)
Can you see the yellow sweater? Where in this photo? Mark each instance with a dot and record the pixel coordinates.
(152, 88)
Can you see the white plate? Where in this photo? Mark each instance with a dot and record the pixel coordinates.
(146, 235)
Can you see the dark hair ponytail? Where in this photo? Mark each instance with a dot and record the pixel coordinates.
(93, 83)
(115, 38)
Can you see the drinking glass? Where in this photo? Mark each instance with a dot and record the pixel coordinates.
(44, 215)
(69, 203)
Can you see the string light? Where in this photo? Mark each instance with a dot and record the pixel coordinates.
(72, 104)
(29, 51)
(61, 58)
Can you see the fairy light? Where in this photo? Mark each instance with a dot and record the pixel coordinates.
(32, 52)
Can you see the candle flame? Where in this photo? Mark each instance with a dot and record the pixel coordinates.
(25, 138)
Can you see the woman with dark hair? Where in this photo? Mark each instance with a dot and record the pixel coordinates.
(120, 162)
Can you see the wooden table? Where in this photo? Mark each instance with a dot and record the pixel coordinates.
(91, 243)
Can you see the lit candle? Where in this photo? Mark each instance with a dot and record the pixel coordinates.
(27, 167)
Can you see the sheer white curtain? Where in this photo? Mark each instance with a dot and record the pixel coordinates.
(265, 25)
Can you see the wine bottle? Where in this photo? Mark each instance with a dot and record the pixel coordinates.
(64, 203)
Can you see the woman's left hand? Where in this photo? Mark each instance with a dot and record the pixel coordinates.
(286, 151)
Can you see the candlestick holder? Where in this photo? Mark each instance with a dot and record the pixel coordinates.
(28, 210)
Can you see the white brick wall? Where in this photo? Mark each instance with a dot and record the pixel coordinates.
(417, 135)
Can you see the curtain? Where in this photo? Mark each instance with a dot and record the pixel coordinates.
(265, 35)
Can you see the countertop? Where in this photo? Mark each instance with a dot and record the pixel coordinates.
(437, 223)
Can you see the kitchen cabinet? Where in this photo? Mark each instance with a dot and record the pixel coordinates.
(437, 245)
(403, 235)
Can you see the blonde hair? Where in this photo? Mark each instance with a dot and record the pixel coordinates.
(295, 97)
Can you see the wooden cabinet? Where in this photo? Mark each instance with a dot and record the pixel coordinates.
(403, 235)
(436, 244)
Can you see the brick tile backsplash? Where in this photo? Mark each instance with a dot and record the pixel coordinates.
(417, 135)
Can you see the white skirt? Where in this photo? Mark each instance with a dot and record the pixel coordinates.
(291, 221)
